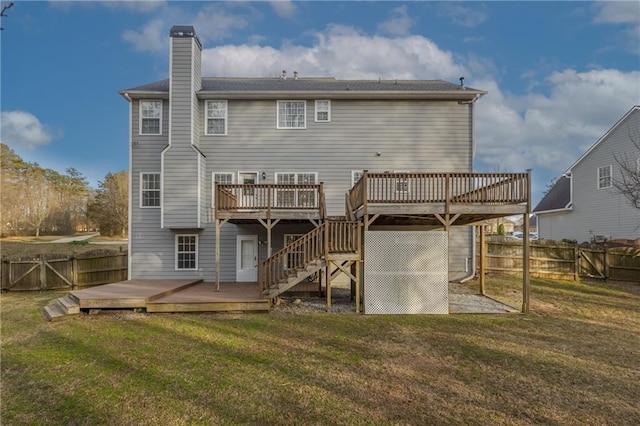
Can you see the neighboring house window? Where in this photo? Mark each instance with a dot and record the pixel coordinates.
(604, 177)
(323, 111)
(292, 114)
(150, 117)
(221, 179)
(216, 118)
(149, 189)
(295, 197)
(356, 175)
(186, 251)
(638, 166)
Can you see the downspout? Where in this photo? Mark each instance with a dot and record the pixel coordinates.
(472, 270)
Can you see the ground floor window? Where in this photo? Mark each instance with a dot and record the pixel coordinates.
(293, 255)
(186, 251)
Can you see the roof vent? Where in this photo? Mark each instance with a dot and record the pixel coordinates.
(462, 82)
(284, 75)
(295, 75)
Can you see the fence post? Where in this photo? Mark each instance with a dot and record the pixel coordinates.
(74, 272)
(606, 263)
(43, 273)
(576, 263)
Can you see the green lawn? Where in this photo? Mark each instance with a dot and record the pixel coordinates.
(574, 360)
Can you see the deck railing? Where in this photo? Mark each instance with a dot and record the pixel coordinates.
(330, 237)
(251, 197)
(448, 188)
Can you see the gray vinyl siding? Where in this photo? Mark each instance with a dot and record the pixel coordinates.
(181, 169)
(598, 211)
(410, 135)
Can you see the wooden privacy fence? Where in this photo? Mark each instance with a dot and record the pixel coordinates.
(68, 273)
(564, 261)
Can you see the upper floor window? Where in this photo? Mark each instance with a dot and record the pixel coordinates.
(323, 111)
(149, 189)
(187, 251)
(292, 114)
(216, 118)
(224, 178)
(150, 117)
(296, 197)
(604, 177)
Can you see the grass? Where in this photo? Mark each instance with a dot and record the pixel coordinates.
(574, 360)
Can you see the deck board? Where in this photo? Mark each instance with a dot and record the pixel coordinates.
(128, 294)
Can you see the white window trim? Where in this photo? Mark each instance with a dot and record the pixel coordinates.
(206, 117)
(610, 177)
(142, 190)
(275, 180)
(140, 117)
(398, 180)
(176, 252)
(278, 114)
(638, 166)
(213, 184)
(353, 177)
(328, 120)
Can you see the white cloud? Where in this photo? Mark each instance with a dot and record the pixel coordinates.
(461, 15)
(399, 24)
(284, 8)
(213, 23)
(551, 131)
(153, 37)
(333, 54)
(22, 129)
(617, 12)
(142, 6)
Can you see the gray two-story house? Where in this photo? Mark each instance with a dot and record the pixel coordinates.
(244, 179)
(584, 203)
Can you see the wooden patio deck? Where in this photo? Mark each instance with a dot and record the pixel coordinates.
(172, 296)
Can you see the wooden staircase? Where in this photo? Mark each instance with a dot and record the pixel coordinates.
(61, 308)
(308, 255)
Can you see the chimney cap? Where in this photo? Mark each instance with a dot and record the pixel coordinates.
(182, 31)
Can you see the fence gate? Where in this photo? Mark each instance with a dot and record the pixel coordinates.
(592, 264)
(406, 272)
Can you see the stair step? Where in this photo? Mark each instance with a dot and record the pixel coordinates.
(68, 305)
(53, 313)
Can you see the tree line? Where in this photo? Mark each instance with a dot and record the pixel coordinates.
(37, 201)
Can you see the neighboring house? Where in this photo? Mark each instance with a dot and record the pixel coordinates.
(583, 204)
(227, 172)
(492, 226)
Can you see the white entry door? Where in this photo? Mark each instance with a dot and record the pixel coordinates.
(247, 258)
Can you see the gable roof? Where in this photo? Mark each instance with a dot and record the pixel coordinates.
(558, 197)
(233, 87)
(635, 108)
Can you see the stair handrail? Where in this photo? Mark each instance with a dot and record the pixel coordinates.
(330, 237)
(305, 249)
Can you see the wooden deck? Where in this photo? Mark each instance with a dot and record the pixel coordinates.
(172, 296)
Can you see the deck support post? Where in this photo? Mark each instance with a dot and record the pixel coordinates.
(328, 287)
(269, 226)
(525, 249)
(483, 254)
(219, 224)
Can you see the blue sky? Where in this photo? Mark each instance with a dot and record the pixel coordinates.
(559, 74)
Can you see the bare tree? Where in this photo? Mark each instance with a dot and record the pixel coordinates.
(37, 197)
(3, 13)
(628, 184)
(110, 207)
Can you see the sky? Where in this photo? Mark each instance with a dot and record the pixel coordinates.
(558, 74)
